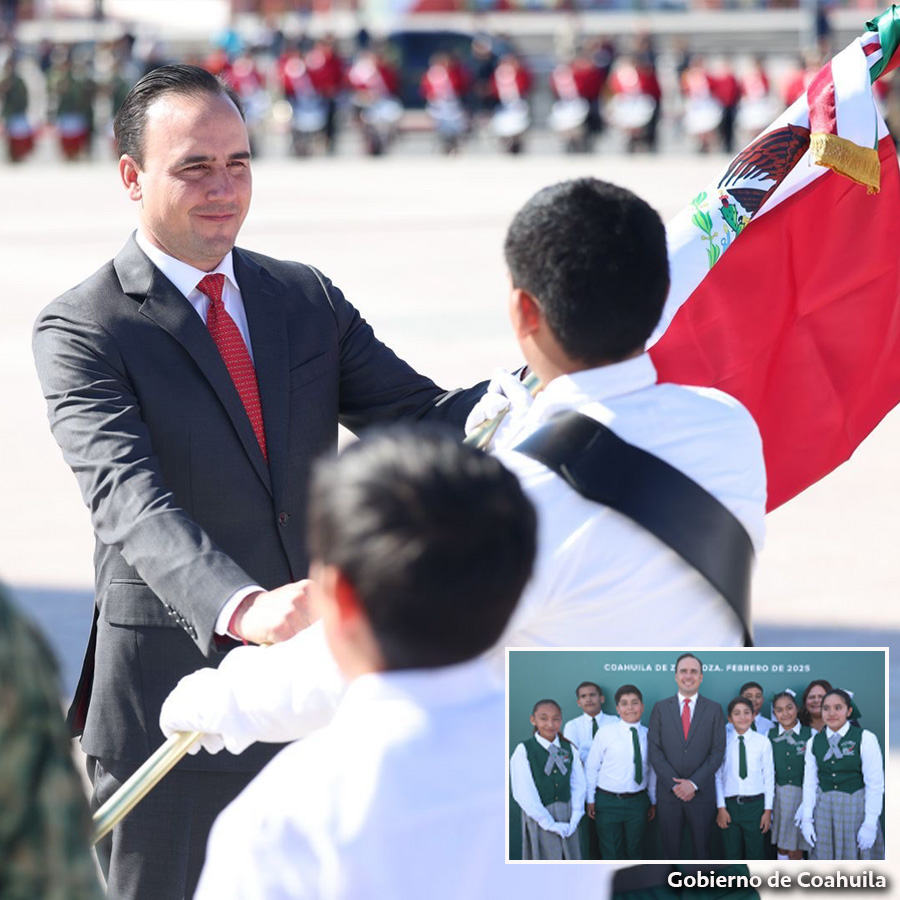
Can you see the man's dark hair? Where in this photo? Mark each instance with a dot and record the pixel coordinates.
(628, 689)
(687, 656)
(436, 538)
(738, 701)
(185, 80)
(585, 684)
(751, 684)
(593, 256)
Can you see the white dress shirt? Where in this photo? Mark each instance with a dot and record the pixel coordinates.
(398, 798)
(692, 705)
(525, 792)
(580, 731)
(186, 278)
(760, 769)
(610, 763)
(592, 562)
(872, 772)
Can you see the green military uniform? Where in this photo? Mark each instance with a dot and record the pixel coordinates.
(44, 821)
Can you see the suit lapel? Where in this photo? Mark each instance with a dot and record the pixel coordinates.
(267, 320)
(164, 305)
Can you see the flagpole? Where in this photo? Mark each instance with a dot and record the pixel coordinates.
(142, 782)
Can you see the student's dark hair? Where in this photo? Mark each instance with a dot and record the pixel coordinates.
(750, 684)
(628, 689)
(185, 80)
(804, 715)
(545, 702)
(687, 656)
(436, 538)
(838, 692)
(787, 694)
(585, 684)
(593, 255)
(737, 702)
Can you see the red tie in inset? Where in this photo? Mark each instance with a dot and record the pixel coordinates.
(234, 352)
(686, 718)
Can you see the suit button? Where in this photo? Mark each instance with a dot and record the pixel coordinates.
(283, 518)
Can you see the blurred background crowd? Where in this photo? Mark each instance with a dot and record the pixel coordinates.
(336, 76)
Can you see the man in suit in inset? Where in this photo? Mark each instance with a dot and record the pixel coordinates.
(190, 384)
(686, 745)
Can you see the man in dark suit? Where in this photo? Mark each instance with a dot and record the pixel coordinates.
(686, 745)
(190, 384)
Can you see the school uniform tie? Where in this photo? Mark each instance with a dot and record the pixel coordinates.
(686, 718)
(638, 765)
(234, 352)
(753, 725)
(593, 726)
(742, 757)
(834, 748)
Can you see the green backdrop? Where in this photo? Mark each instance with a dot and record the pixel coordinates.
(554, 674)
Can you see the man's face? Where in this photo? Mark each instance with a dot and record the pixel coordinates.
(755, 696)
(630, 708)
(194, 184)
(688, 676)
(590, 700)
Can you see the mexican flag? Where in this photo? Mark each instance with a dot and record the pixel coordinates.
(786, 273)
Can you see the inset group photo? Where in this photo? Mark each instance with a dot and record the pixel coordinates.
(696, 755)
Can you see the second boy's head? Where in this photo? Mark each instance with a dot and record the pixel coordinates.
(420, 550)
(589, 274)
(753, 691)
(590, 697)
(740, 714)
(629, 704)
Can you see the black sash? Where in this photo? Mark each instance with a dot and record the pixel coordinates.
(602, 467)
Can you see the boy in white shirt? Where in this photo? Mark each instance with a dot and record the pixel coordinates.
(621, 786)
(581, 732)
(421, 549)
(745, 786)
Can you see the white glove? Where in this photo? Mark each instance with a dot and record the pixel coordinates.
(865, 837)
(798, 817)
(195, 705)
(504, 392)
(573, 827)
(808, 832)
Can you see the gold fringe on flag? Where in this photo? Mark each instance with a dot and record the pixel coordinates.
(859, 164)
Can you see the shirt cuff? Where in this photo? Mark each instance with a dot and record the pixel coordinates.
(231, 604)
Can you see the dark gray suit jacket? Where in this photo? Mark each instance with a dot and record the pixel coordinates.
(697, 758)
(184, 508)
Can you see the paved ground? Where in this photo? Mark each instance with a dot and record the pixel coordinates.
(415, 242)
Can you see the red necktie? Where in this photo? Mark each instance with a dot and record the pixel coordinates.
(234, 352)
(686, 718)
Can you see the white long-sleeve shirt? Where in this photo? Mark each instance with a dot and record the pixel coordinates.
(610, 763)
(580, 731)
(760, 769)
(872, 773)
(525, 792)
(399, 797)
(593, 562)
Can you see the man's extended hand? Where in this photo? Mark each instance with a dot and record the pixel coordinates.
(683, 789)
(267, 617)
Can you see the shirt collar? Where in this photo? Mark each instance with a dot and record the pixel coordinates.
(794, 730)
(545, 743)
(682, 698)
(841, 731)
(600, 384)
(185, 277)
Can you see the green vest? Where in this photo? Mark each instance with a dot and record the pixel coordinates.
(844, 774)
(554, 786)
(789, 760)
